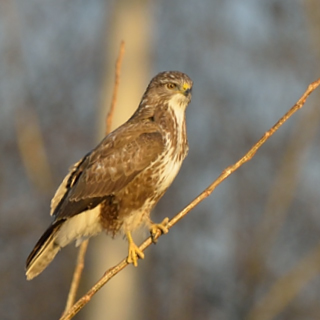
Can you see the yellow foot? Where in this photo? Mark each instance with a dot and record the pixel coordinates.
(134, 252)
(163, 227)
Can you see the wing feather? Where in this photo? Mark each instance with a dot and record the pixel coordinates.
(116, 161)
(65, 186)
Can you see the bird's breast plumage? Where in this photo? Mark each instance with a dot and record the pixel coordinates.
(176, 147)
(137, 198)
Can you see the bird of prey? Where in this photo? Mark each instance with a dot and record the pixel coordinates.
(115, 186)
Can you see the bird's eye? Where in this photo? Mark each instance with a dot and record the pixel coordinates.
(171, 85)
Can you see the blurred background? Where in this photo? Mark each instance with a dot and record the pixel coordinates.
(249, 251)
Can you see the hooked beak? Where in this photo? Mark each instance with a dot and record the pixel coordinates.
(187, 92)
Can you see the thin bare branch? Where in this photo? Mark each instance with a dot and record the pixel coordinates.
(115, 89)
(281, 194)
(76, 275)
(84, 245)
(225, 173)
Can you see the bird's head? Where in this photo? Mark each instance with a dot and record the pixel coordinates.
(169, 87)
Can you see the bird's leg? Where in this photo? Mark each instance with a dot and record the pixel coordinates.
(163, 227)
(134, 252)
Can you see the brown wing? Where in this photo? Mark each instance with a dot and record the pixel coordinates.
(65, 185)
(119, 158)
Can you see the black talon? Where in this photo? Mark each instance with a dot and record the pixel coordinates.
(153, 235)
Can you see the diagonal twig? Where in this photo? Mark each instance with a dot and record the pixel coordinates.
(225, 173)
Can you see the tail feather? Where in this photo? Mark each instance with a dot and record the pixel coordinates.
(44, 251)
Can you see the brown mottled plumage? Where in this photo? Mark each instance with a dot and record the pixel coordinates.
(116, 185)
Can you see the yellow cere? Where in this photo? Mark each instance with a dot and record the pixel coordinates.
(186, 86)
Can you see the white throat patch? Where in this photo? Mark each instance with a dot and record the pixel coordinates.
(178, 104)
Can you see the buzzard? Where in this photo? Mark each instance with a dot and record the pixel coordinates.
(115, 186)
